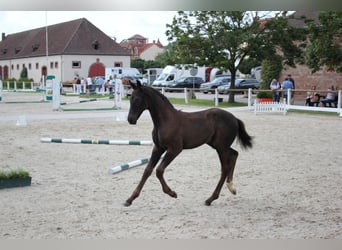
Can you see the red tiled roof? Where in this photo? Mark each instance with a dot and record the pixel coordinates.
(74, 37)
(147, 46)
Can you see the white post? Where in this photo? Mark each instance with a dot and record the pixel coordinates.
(24, 86)
(163, 90)
(289, 97)
(339, 100)
(0, 90)
(32, 85)
(15, 85)
(55, 94)
(186, 95)
(216, 97)
(8, 85)
(118, 93)
(249, 97)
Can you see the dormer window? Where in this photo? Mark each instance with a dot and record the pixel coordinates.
(35, 47)
(4, 51)
(17, 50)
(96, 45)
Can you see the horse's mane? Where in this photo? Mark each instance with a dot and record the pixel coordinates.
(151, 91)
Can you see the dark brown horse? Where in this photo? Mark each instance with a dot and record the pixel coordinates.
(175, 130)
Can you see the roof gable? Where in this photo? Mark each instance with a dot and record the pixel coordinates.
(74, 37)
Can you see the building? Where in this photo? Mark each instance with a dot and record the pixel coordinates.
(75, 48)
(139, 47)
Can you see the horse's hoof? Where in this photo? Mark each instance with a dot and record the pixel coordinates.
(207, 203)
(173, 194)
(127, 203)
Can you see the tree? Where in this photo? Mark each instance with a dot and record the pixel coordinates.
(225, 39)
(23, 73)
(324, 42)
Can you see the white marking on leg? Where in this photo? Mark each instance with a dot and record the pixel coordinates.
(231, 188)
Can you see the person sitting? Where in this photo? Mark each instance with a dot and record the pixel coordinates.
(314, 99)
(330, 97)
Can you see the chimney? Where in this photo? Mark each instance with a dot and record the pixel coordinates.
(3, 36)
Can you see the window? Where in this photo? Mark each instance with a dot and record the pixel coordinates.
(96, 45)
(12, 67)
(17, 66)
(117, 64)
(56, 65)
(76, 64)
(51, 65)
(37, 65)
(30, 66)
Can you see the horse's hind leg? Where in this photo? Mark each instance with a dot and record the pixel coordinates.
(168, 158)
(232, 161)
(156, 154)
(224, 157)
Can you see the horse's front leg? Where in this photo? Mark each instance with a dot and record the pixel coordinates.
(156, 154)
(168, 158)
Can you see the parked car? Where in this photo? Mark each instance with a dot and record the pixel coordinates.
(240, 83)
(187, 82)
(210, 87)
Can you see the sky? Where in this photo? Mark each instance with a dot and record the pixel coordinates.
(118, 24)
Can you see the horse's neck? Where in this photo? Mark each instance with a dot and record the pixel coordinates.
(161, 112)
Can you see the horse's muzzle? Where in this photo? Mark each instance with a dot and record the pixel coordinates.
(132, 120)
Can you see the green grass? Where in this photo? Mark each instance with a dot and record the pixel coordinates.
(209, 103)
(13, 174)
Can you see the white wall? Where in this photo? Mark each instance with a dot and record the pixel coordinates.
(64, 71)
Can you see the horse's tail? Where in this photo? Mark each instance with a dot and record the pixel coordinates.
(244, 138)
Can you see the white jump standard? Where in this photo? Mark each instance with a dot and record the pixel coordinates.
(92, 141)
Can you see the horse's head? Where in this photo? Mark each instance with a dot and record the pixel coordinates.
(137, 102)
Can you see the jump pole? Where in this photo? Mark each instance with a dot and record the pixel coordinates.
(81, 101)
(128, 165)
(131, 164)
(92, 141)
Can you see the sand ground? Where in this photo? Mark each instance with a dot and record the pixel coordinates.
(288, 185)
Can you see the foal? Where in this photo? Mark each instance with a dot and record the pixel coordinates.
(175, 130)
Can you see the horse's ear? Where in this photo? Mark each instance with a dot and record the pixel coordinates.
(135, 84)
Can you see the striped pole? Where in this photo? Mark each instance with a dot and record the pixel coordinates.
(131, 164)
(91, 141)
(128, 165)
(82, 101)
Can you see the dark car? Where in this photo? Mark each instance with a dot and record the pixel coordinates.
(240, 83)
(187, 82)
(210, 87)
(247, 84)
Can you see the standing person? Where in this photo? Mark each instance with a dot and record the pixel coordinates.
(78, 85)
(275, 87)
(89, 84)
(287, 84)
(83, 85)
(294, 86)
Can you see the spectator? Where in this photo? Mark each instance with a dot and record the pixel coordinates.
(287, 84)
(275, 87)
(78, 85)
(89, 84)
(330, 97)
(294, 86)
(100, 82)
